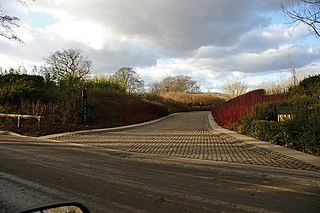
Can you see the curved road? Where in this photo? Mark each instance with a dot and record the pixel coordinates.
(179, 164)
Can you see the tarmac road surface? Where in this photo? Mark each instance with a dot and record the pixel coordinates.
(178, 164)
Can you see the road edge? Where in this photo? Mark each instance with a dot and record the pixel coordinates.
(93, 131)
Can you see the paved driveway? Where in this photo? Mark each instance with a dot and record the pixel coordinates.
(176, 165)
(188, 135)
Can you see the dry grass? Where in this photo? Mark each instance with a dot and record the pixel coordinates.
(203, 101)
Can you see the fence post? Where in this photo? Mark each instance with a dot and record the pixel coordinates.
(19, 121)
(39, 117)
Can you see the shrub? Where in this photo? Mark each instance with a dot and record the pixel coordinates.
(308, 87)
(234, 110)
(276, 132)
(133, 110)
(304, 129)
(115, 108)
(103, 106)
(265, 111)
(107, 83)
(15, 88)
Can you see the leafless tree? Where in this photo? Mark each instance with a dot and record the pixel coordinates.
(68, 65)
(283, 84)
(130, 80)
(178, 83)
(8, 23)
(234, 89)
(304, 11)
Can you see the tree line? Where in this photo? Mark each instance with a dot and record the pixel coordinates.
(70, 68)
(54, 91)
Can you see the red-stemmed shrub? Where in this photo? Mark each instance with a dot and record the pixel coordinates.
(234, 110)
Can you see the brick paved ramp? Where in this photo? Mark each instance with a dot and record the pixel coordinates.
(187, 135)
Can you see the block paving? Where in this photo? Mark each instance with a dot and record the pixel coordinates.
(187, 135)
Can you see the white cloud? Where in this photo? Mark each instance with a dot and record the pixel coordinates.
(210, 40)
(92, 34)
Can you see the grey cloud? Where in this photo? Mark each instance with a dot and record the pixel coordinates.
(110, 61)
(179, 25)
(256, 43)
(263, 62)
(211, 38)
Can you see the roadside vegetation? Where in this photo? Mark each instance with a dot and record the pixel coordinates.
(255, 114)
(55, 92)
(109, 104)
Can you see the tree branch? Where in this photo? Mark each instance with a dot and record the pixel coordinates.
(304, 11)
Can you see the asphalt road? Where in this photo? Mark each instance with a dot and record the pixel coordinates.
(109, 172)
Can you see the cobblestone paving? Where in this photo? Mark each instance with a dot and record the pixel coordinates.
(188, 135)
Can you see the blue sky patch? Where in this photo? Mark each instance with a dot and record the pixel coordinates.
(41, 20)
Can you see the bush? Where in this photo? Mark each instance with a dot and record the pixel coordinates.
(276, 132)
(115, 108)
(265, 111)
(304, 129)
(233, 111)
(133, 110)
(15, 88)
(308, 87)
(107, 83)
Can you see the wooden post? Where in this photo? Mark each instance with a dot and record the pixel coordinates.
(19, 121)
(39, 117)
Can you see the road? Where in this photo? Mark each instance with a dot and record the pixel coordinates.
(175, 165)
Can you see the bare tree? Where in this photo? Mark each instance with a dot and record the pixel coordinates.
(283, 84)
(234, 89)
(130, 79)
(8, 23)
(304, 11)
(179, 83)
(68, 65)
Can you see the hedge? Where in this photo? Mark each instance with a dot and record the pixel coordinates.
(276, 132)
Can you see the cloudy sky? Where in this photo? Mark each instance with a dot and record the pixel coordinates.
(212, 41)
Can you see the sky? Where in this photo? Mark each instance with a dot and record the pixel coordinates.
(212, 41)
